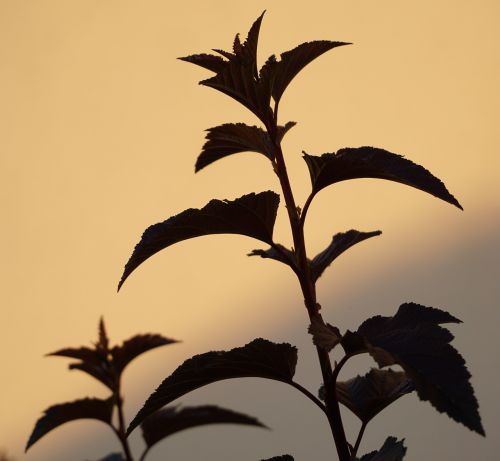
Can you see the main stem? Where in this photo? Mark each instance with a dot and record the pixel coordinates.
(309, 293)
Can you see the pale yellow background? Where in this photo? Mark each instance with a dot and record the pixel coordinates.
(100, 126)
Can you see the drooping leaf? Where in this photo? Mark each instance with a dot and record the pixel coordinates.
(340, 243)
(293, 61)
(259, 359)
(252, 215)
(278, 253)
(232, 138)
(135, 346)
(58, 415)
(371, 162)
(368, 395)
(324, 335)
(171, 420)
(280, 458)
(113, 457)
(414, 339)
(392, 450)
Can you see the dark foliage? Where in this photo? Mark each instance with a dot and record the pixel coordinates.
(372, 162)
(368, 395)
(57, 415)
(258, 359)
(252, 215)
(171, 420)
(392, 450)
(414, 339)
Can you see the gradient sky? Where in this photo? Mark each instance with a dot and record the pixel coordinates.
(100, 127)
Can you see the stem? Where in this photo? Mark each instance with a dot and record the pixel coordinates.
(121, 430)
(309, 293)
(358, 440)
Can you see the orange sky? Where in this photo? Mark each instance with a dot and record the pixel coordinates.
(100, 127)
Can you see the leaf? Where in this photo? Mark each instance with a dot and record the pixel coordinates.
(208, 61)
(293, 61)
(368, 395)
(113, 457)
(391, 450)
(232, 138)
(252, 215)
(258, 359)
(324, 335)
(371, 162)
(237, 77)
(103, 343)
(135, 346)
(278, 253)
(103, 372)
(171, 420)
(414, 339)
(280, 458)
(63, 413)
(340, 243)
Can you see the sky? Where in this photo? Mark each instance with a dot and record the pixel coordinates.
(100, 127)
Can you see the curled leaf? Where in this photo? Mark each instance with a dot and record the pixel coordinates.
(252, 215)
(340, 243)
(171, 420)
(324, 335)
(278, 253)
(259, 359)
(368, 395)
(58, 415)
(372, 162)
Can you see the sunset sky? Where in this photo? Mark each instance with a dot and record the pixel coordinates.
(100, 127)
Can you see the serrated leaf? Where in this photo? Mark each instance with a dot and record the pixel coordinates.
(293, 61)
(131, 348)
(233, 138)
(259, 359)
(414, 339)
(340, 243)
(324, 335)
(237, 77)
(58, 415)
(171, 420)
(278, 253)
(372, 162)
(392, 450)
(103, 342)
(252, 215)
(368, 395)
(280, 458)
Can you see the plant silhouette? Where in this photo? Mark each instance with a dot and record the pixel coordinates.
(414, 338)
(106, 364)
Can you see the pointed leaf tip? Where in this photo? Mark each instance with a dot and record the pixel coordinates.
(372, 162)
(252, 215)
(171, 420)
(57, 415)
